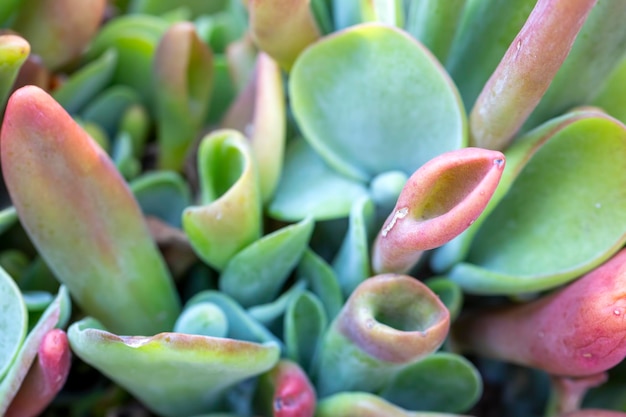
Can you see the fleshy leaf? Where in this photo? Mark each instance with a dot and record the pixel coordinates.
(173, 374)
(576, 331)
(54, 316)
(611, 96)
(269, 313)
(159, 7)
(389, 322)
(82, 217)
(45, 378)
(183, 81)
(361, 404)
(408, 109)
(322, 282)
(59, 30)
(521, 246)
(285, 391)
(443, 382)
(163, 194)
(282, 28)
(352, 263)
(259, 113)
(327, 194)
(438, 202)
(256, 274)
(8, 217)
(525, 72)
(107, 108)
(450, 294)
(388, 12)
(305, 324)
(86, 83)
(13, 321)
(13, 53)
(230, 217)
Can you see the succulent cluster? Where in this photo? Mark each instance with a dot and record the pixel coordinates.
(330, 208)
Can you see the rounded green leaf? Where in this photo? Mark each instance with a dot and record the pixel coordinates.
(256, 274)
(205, 319)
(163, 194)
(372, 99)
(13, 321)
(442, 382)
(563, 215)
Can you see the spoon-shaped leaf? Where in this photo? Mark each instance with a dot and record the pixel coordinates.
(82, 217)
(282, 29)
(573, 166)
(525, 71)
(576, 331)
(439, 201)
(13, 321)
(183, 77)
(256, 274)
(230, 217)
(173, 374)
(259, 112)
(440, 382)
(45, 378)
(59, 30)
(389, 322)
(371, 99)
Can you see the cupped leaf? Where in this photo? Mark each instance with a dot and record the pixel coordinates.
(372, 99)
(438, 202)
(577, 331)
(82, 217)
(13, 321)
(54, 316)
(59, 30)
(183, 81)
(282, 28)
(163, 194)
(574, 168)
(361, 404)
(256, 274)
(389, 322)
(13, 53)
(442, 382)
(86, 83)
(259, 113)
(305, 324)
(285, 391)
(45, 377)
(230, 217)
(173, 374)
(309, 187)
(526, 71)
(352, 262)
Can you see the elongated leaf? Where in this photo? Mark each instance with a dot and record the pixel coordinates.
(256, 274)
(13, 321)
(107, 108)
(173, 374)
(305, 324)
(82, 217)
(408, 109)
(322, 282)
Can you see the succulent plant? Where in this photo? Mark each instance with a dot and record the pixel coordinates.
(313, 208)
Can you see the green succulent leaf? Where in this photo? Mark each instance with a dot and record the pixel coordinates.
(204, 319)
(572, 167)
(14, 51)
(13, 321)
(87, 82)
(107, 108)
(611, 97)
(322, 282)
(327, 194)
(8, 217)
(409, 111)
(442, 382)
(256, 274)
(158, 7)
(449, 292)
(173, 374)
(352, 263)
(54, 316)
(269, 313)
(305, 325)
(163, 194)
